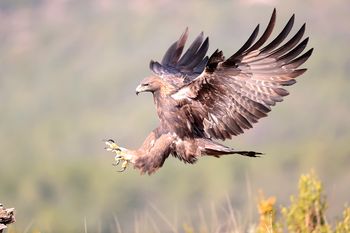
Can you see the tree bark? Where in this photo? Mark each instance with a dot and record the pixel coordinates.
(7, 216)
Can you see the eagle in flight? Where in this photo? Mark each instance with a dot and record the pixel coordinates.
(202, 98)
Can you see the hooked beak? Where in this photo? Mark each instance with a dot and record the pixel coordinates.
(140, 88)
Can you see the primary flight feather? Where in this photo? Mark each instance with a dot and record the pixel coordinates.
(200, 98)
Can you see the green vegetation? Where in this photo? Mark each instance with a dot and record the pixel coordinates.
(306, 213)
(343, 226)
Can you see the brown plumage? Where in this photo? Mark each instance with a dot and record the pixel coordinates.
(200, 98)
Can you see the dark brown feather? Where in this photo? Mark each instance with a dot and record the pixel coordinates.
(235, 93)
(266, 33)
(187, 66)
(233, 59)
(174, 52)
(278, 40)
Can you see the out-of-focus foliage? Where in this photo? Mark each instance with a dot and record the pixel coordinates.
(68, 70)
(267, 213)
(306, 213)
(344, 225)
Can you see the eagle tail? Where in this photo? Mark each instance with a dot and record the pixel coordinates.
(216, 149)
(248, 153)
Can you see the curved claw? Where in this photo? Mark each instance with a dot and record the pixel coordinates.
(124, 165)
(111, 146)
(117, 159)
(116, 163)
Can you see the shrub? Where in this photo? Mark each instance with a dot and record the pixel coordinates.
(306, 213)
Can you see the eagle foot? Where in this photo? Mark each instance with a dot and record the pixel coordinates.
(120, 154)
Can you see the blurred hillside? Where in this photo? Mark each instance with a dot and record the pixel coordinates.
(68, 71)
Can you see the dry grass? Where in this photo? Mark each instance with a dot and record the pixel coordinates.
(306, 214)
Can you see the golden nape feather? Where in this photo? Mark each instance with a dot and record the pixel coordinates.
(201, 98)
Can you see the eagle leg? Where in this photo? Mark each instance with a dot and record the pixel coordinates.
(121, 155)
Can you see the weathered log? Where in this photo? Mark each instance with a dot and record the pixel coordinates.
(7, 216)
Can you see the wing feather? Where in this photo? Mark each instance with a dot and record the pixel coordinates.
(266, 33)
(231, 95)
(279, 39)
(231, 60)
(174, 52)
(191, 51)
(198, 57)
(182, 69)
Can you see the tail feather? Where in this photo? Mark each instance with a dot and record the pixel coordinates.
(248, 153)
(216, 149)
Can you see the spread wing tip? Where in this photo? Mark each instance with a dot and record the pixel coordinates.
(191, 63)
(299, 60)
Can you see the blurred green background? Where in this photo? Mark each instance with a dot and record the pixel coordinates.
(68, 71)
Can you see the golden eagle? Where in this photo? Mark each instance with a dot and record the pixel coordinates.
(200, 98)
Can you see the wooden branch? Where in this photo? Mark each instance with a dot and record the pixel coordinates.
(7, 216)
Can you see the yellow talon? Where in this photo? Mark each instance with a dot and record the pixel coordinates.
(124, 165)
(120, 154)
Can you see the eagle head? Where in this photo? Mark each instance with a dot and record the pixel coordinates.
(149, 84)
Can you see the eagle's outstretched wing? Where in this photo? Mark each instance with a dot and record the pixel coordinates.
(183, 69)
(232, 94)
